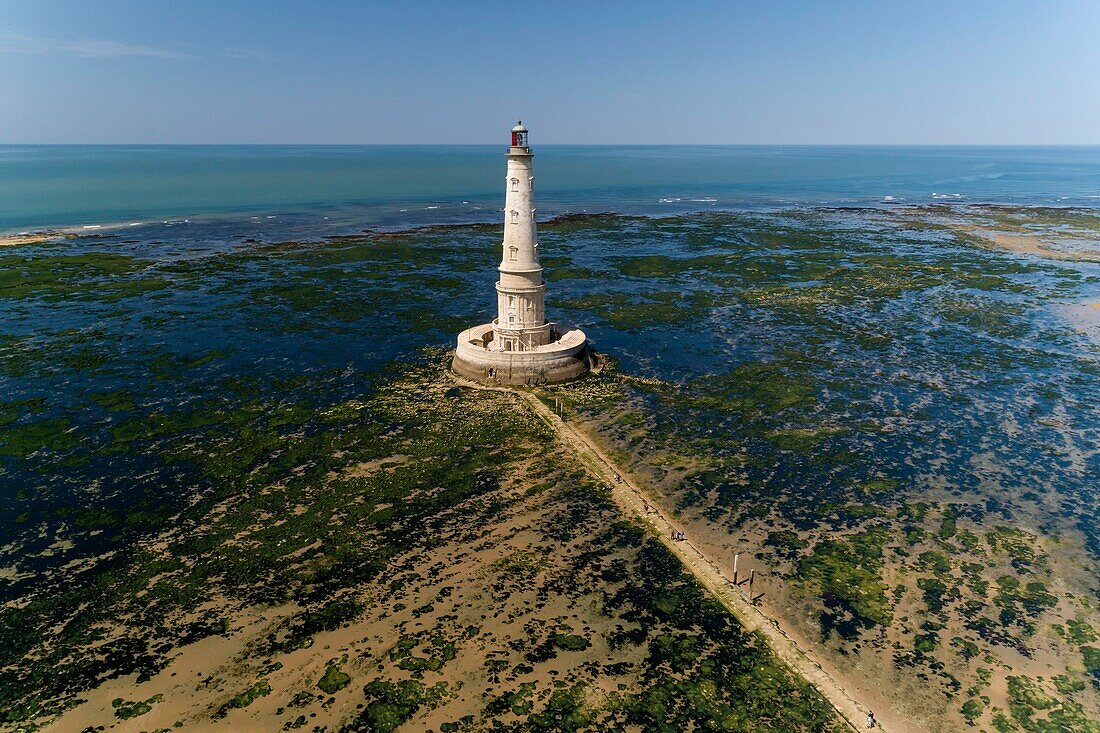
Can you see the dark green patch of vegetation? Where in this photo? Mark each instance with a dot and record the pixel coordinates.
(21, 441)
(389, 704)
(1091, 657)
(260, 688)
(99, 276)
(848, 576)
(333, 680)
(571, 642)
(972, 710)
(126, 709)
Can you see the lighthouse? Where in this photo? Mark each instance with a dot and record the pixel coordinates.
(521, 323)
(520, 346)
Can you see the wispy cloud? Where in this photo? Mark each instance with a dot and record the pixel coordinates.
(89, 48)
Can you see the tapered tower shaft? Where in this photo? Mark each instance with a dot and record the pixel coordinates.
(521, 323)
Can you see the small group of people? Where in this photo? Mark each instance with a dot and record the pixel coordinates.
(871, 722)
(678, 535)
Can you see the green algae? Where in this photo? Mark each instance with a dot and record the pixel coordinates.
(1015, 543)
(101, 277)
(852, 310)
(126, 709)
(1017, 601)
(563, 268)
(1067, 685)
(880, 485)
(439, 651)
(760, 388)
(517, 702)
(1091, 657)
(1076, 631)
(709, 655)
(1033, 709)
(847, 574)
(571, 642)
(260, 688)
(972, 710)
(53, 434)
(389, 704)
(672, 619)
(965, 648)
(634, 312)
(565, 710)
(117, 401)
(825, 383)
(333, 680)
(661, 266)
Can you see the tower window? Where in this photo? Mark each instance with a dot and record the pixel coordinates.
(515, 184)
(513, 253)
(511, 301)
(515, 217)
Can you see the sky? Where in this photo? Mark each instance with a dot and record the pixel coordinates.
(593, 72)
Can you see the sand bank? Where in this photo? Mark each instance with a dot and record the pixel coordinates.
(13, 240)
(1031, 244)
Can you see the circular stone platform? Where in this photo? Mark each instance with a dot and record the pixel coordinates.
(566, 357)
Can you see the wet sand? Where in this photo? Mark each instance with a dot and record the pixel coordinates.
(1030, 244)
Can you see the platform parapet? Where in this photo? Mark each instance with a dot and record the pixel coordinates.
(561, 360)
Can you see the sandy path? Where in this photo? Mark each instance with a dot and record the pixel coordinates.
(632, 499)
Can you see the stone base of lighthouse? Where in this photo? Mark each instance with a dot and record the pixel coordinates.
(566, 357)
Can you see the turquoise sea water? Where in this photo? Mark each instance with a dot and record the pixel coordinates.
(318, 190)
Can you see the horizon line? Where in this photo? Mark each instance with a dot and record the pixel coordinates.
(551, 145)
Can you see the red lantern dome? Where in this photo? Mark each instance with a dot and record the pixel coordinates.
(519, 135)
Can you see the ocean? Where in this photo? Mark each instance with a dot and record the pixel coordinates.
(283, 192)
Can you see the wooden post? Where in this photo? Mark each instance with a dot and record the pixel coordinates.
(736, 557)
(752, 577)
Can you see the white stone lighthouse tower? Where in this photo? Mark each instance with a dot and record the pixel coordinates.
(521, 312)
(520, 346)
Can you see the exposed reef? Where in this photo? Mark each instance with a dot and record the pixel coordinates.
(237, 464)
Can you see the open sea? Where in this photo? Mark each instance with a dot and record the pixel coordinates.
(313, 191)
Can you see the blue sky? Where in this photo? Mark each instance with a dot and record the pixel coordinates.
(226, 71)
